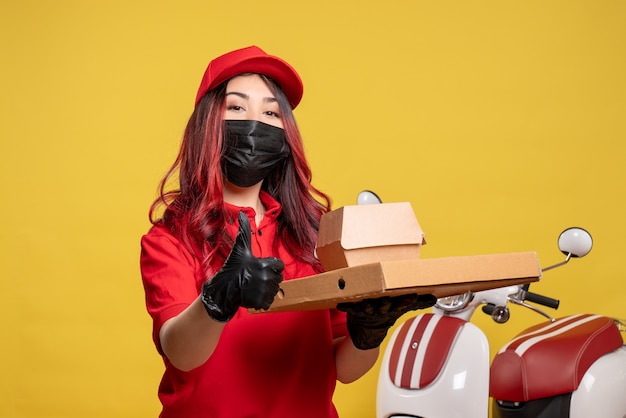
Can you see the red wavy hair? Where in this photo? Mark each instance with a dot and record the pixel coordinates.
(194, 212)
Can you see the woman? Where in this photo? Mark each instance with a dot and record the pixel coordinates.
(245, 217)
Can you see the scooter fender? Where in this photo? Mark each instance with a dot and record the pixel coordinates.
(435, 366)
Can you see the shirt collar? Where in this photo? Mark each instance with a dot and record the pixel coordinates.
(272, 207)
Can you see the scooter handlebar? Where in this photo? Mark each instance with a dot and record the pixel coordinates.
(542, 300)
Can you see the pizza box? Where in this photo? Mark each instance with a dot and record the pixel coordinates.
(438, 276)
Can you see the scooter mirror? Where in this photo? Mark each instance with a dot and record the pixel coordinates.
(367, 197)
(575, 242)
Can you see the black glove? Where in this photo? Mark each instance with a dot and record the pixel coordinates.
(370, 319)
(243, 280)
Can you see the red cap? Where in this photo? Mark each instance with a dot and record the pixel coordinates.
(252, 60)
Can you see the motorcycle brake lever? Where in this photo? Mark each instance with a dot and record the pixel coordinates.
(531, 307)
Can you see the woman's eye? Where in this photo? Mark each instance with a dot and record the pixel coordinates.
(234, 107)
(272, 114)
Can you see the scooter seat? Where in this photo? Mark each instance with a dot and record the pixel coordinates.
(551, 358)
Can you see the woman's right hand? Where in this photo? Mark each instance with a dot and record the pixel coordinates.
(243, 281)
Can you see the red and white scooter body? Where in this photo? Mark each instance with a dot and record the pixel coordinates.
(435, 366)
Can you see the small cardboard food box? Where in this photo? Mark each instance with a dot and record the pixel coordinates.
(361, 234)
(370, 251)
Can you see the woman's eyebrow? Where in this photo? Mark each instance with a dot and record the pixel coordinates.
(236, 93)
(246, 97)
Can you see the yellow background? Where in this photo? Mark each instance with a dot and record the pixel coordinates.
(502, 122)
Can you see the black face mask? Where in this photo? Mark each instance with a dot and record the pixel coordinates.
(253, 149)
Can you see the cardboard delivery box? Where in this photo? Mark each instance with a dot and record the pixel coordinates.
(370, 251)
(360, 234)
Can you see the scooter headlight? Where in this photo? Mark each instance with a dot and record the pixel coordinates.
(454, 303)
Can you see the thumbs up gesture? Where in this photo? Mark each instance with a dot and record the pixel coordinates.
(243, 281)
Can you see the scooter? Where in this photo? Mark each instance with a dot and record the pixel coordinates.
(437, 365)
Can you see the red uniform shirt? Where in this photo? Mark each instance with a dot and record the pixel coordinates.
(265, 365)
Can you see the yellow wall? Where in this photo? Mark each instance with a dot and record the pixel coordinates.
(501, 122)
